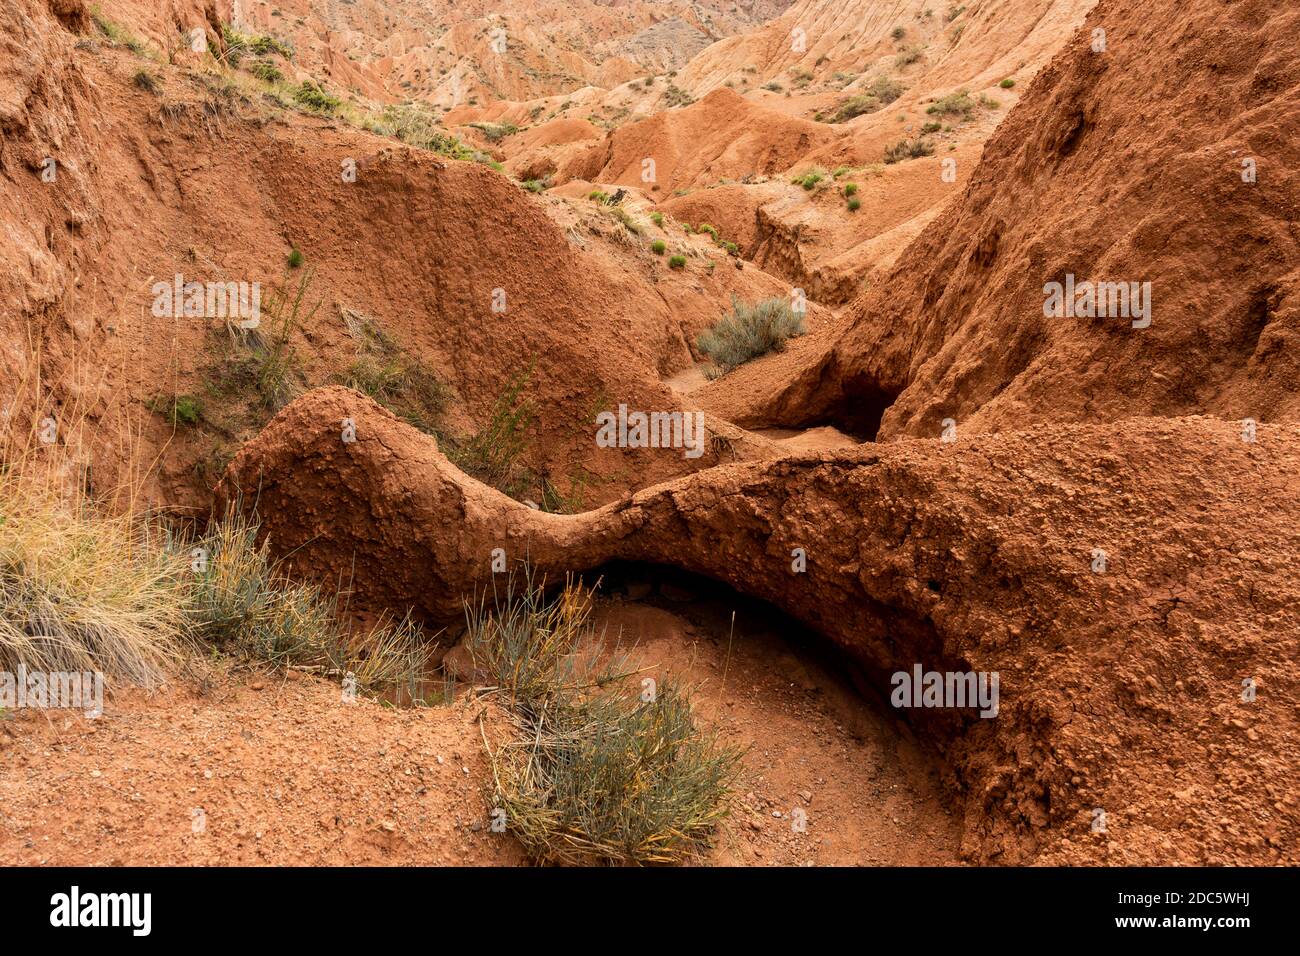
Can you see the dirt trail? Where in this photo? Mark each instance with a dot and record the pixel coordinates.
(869, 792)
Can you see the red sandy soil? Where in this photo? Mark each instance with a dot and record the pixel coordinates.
(1121, 690)
(287, 773)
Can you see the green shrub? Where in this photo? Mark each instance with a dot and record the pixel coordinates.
(898, 33)
(675, 96)
(312, 97)
(178, 409)
(115, 33)
(415, 124)
(677, 262)
(495, 132)
(855, 204)
(810, 179)
(658, 246)
(239, 44)
(954, 104)
(1007, 83)
(295, 258)
(850, 188)
(908, 150)
(495, 454)
(748, 332)
(272, 361)
(392, 377)
(595, 773)
(657, 218)
(267, 72)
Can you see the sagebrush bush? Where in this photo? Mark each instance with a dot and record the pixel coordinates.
(749, 331)
(146, 81)
(495, 454)
(595, 772)
(954, 104)
(908, 149)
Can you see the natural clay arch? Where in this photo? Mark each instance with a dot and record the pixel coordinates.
(973, 555)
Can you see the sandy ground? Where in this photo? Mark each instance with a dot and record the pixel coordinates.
(252, 769)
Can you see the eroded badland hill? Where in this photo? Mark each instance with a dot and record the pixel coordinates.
(370, 370)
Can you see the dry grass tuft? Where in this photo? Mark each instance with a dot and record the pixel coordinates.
(80, 591)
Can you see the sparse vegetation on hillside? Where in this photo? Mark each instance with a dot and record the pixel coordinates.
(749, 331)
(177, 409)
(117, 34)
(675, 96)
(495, 132)
(810, 179)
(393, 377)
(238, 45)
(415, 125)
(267, 72)
(270, 356)
(146, 81)
(908, 56)
(494, 455)
(879, 94)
